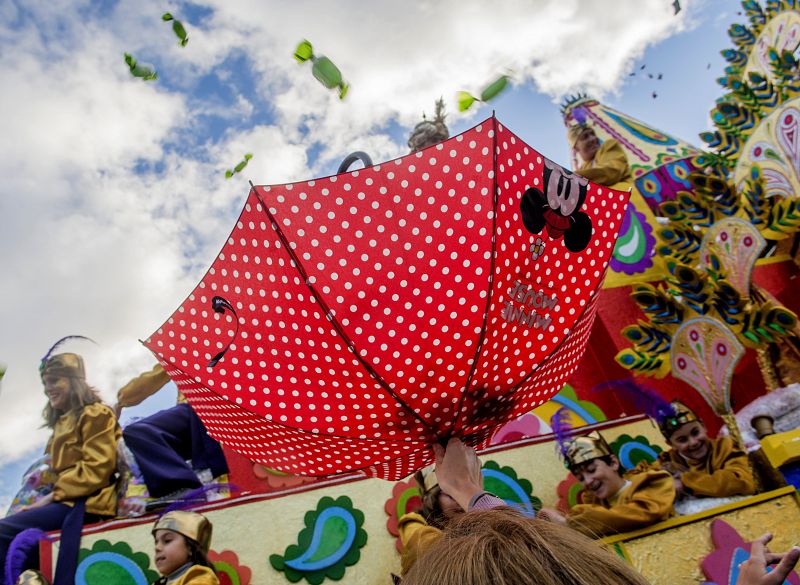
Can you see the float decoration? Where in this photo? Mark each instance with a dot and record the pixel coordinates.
(115, 563)
(229, 570)
(405, 498)
(330, 542)
(570, 492)
(633, 450)
(515, 491)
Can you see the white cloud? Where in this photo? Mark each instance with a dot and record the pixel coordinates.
(91, 246)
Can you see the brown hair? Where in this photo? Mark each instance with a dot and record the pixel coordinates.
(431, 507)
(502, 547)
(196, 554)
(80, 395)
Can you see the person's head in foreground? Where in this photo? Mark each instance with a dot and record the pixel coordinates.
(590, 459)
(584, 141)
(502, 547)
(181, 538)
(437, 507)
(685, 433)
(65, 386)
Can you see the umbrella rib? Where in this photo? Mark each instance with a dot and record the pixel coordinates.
(332, 318)
(482, 337)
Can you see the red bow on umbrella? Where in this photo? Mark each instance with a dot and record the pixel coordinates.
(350, 322)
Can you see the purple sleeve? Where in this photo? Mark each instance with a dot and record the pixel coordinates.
(484, 501)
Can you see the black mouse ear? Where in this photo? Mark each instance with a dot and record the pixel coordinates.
(577, 237)
(532, 207)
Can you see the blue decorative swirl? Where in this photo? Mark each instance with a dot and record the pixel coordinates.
(304, 562)
(628, 448)
(574, 407)
(110, 557)
(524, 503)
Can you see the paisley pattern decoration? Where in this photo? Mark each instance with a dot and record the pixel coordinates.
(582, 412)
(631, 451)
(704, 354)
(405, 498)
(330, 542)
(663, 183)
(732, 246)
(721, 566)
(117, 563)
(570, 492)
(639, 130)
(515, 491)
(524, 427)
(229, 571)
(635, 247)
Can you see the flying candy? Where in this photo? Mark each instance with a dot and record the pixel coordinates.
(177, 26)
(238, 168)
(324, 70)
(466, 99)
(141, 71)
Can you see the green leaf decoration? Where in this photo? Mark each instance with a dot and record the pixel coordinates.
(141, 71)
(465, 100)
(239, 167)
(107, 563)
(494, 88)
(330, 542)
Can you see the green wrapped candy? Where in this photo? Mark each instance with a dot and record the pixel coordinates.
(303, 52)
(177, 28)
(323, 69)
(465, 100)
(494, 88)
(141, 71)
(239, 167)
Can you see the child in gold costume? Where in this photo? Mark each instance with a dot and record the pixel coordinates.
(182, 540)
(613, 502)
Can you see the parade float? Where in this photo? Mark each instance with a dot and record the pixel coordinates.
(290, 520)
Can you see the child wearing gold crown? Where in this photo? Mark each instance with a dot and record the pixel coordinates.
(83, 454)
(613, 501)
(182, 540)
(701, 466)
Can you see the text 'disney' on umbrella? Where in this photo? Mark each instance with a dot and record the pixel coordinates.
(354, 320)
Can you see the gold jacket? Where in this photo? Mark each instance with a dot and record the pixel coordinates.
(143, 386)
(416, 535)
(647, 500)
(83, 449)
(193, 575)
(609, 167)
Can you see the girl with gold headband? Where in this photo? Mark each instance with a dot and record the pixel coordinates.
(83, 454)
(182, 540)
(613, 501)
(701, 466)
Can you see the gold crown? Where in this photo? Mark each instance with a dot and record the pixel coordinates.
(585, 448)
(66, 365)
(190, 524)
(683, 415)
(430, 481)
(574, 131)
(31, 577)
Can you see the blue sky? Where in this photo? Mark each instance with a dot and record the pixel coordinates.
(114, 200)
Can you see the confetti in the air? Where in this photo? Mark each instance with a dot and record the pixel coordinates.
(491, 91)
(238, 168)
(141, 71)
(177, 27)
(323, 68)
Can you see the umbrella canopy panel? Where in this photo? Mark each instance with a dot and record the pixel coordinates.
(376, 312)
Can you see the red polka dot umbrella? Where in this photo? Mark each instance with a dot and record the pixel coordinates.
(350, 322)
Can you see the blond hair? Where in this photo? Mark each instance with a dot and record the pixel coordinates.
(502, 547)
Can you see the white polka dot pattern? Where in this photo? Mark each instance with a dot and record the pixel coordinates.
(383, 309)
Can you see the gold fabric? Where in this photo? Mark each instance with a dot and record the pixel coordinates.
(190, 524)
(647, 500)
(609, 167)
(83, 450)
(585, 448)
(65, 365)
(195, 575)
(142, 386)
(31, 577)
(725, 472)
(416, 536)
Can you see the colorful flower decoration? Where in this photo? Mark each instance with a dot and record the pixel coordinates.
(582, 412)
(721, 566)
(528, 425)
(330, 542)
(537, 248)
(279, 479)
(113, 563)
(633, 253)
(570, 492)
(229, 571)
(405, 498)
(517, 492)
(633, 450)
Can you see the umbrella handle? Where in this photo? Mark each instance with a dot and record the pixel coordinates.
(353, 157)
(219, 305)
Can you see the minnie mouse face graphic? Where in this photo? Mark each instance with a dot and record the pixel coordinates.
(557, 208)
